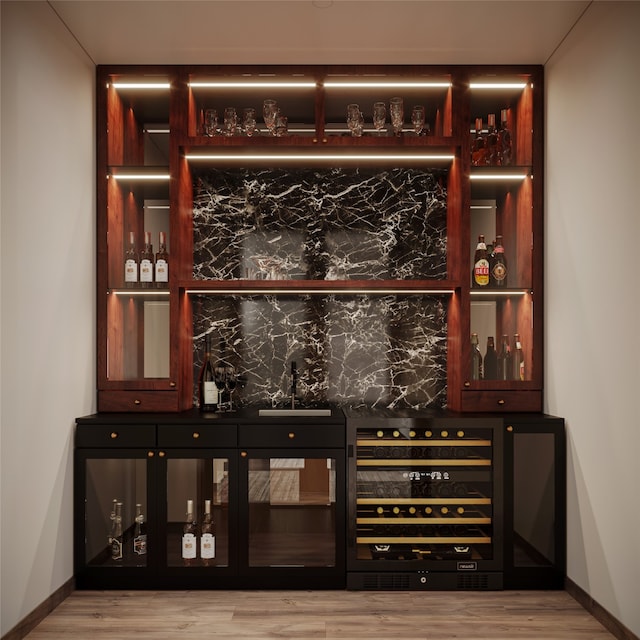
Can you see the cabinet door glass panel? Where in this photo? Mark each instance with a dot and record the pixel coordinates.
(114, 536)
(534, 499)
(197, 480)
(424, 494)
(292, 512)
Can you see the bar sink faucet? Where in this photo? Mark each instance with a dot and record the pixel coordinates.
(294, 383)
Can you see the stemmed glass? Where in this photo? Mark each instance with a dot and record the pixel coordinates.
(269, 111)
(417, 119)
(220, 380)
(396, 109)
(379, 116)
(210, 122)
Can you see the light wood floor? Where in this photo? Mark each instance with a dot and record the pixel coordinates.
(336, 615)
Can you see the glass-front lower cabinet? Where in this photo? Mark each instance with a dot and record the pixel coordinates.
(425, 504)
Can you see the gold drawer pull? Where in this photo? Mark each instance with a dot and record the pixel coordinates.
(467, 383)
(114, 435)
(292, 435)
(243, 454)
(172, 384)
(509, 428)
(137, 402)
(161, 454)
(500, 402)
(150, 454)
(195, 435)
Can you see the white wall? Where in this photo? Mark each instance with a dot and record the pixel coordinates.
(47, 294)
(593, 296)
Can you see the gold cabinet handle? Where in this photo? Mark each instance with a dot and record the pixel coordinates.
(195, 435)
(501, 402)
(172, 384)
(467, 383)
(292, 435)
(509, 428)
(243, 454)
(162, 454)
(150, 454)
(114, 435)
(137, 402)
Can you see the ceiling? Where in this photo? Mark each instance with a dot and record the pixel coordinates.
(319, 31)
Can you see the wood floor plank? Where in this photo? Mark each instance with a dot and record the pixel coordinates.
(312, 615)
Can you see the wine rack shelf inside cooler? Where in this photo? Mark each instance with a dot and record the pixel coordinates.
(424, 494)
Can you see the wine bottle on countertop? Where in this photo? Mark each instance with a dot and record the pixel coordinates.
(476, 358)
(189, 540)
(207, 536)
(140, 533)
(490, 360)
(207, 389)
(162, 263)
(146, 262)
(131, 263)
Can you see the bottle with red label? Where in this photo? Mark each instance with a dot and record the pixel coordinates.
(480, 274)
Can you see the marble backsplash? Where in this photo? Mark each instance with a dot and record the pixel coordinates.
(327, 224)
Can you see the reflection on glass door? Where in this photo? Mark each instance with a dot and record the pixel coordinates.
(198, 512)
(292, 512)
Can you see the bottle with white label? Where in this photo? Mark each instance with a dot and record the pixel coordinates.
(117, 536)
(207, 536)
(146, 262)
(162, 263)
(140, 533)
(207, 389)
(189, 540)
(131, 263)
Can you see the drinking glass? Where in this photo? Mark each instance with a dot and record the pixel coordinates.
(281, 125)
(355, 119)
(220, 380)
(417, 119)
(210, 122)
(230, 121)
(269, 111)
(379, 116)
(249, 121)
(396, 110)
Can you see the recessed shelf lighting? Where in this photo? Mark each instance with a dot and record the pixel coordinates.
(138, 293)
(385, 84)
(300, 291)
(498, 176)
(497, 85)
(496, 292)
(252, 84)
(139, 176)
(342, 157)
(141, 85)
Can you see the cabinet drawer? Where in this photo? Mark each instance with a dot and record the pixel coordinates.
(138, 401)
(197, 435)
(502, 401)
(295, 435)
(116, 435)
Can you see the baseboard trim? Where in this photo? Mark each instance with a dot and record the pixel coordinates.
(609, 622)
(32, 620)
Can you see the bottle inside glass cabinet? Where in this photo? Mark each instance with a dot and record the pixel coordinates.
(207, 536)
(140, 533)
(117, 535)
(162, 262)
(476, 358)
(131, 262)
(189, 541)
(146, 262)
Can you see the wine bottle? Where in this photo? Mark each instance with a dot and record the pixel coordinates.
(498, 265)
(140, 533)
(476, 358)
(479, 151)
(131, 263)
(493, 156)
(162, 263)
(117, 537)
(504, 360)
(189, 541)
(207, 536)
(146, 262)
(490, 360)
(517, 359)
(480, 264)
(207, 389)
(112, 518)
(504, 140)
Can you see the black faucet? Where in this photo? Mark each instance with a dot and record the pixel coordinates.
(294, 383)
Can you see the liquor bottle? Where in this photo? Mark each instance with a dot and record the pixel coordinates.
(498, 265)
(207, 389)
(480, 264)
(189, 541)
(490, 360)
(504, 360)
(140, 533)
(207, 536)
(476, 358)
(112, 518)
(504, 140)
(478, 151)
(146, 262)
(117, 537)
(131, 263)
(162, 263)
(493, 155)
(517, 359)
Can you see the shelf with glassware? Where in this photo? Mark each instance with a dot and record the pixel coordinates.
(319, 105)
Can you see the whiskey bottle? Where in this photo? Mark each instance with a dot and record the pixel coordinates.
(480, 265)
(478, 150)
(189, 541)
(162, 263)
(117, 537)
(504, 140)
(207, 389)
(490, 360)
(146, 262)
(140, 533)
(504, 360)
(207, 536)
(131, 263)
(517, 359)
(493, 155)
(476, 358)
(498, 265)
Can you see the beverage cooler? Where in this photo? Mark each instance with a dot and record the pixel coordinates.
(425, 503)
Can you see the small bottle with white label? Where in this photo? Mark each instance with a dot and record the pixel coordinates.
(131, 263)
(207, 536)
(162, 263)
(189, 540)
(146, 262)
